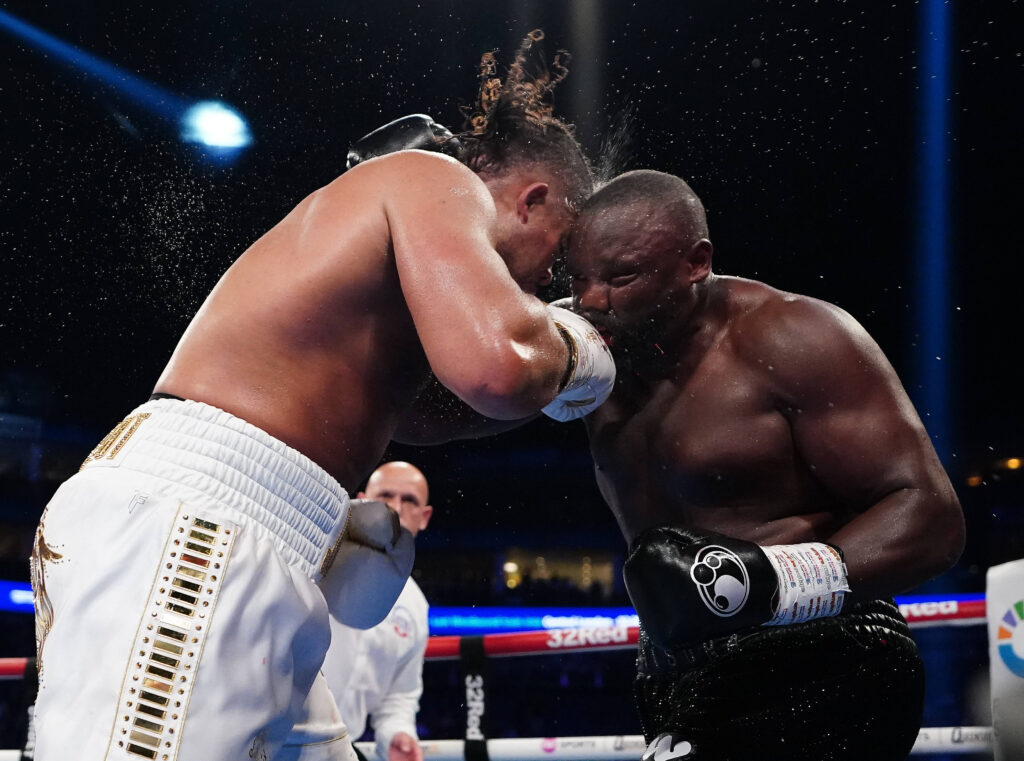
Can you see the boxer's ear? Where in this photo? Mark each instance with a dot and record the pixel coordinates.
(530, 197)
(698, 258)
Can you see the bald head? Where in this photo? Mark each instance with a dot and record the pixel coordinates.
(657, 196)
(404, 489)
(639, 258)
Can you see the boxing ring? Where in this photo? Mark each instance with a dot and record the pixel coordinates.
(473, 651)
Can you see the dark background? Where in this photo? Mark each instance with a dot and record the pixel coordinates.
(796, 122)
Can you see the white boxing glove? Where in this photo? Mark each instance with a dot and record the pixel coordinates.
(591, 373)
(369, 571)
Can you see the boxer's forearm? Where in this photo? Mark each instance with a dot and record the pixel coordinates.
(489, 342)
(907, 538)
(438, 416)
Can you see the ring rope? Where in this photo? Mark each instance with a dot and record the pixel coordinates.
(951, 740)
(918, 615)
(954, 740)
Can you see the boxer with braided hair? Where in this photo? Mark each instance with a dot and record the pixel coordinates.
(512, 122)
(191, 564)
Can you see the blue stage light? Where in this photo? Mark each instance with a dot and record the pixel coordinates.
(214, 125)
(155, 99)
(933, 261)
(220, 130)
(16, 596)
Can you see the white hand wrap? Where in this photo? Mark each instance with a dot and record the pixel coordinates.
(592, 370)
(812, 581)
(374, 561)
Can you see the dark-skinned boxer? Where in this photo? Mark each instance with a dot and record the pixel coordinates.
(775, 486)
(773, 483)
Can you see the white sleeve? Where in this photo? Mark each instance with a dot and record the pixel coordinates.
(396, 711)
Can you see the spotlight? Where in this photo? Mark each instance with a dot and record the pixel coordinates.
(214, 125)
(218, 130)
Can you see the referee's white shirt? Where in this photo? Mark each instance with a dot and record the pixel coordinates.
(378, 672)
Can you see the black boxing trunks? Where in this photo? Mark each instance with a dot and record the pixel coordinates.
(831, 689)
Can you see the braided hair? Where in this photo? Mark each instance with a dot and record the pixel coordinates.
(512, 124)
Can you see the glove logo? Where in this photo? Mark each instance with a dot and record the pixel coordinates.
(722, 580)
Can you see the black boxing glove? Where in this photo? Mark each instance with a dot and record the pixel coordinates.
(690, 586)
(412, 131)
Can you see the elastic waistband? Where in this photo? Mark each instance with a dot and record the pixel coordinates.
(878, 615)
(238, 465)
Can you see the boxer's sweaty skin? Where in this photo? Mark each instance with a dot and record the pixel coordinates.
(759, 414)
(325, 329)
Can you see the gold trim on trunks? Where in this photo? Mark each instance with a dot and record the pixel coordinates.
(332, 551)
(158, 683)
(41, 554)
(111, 443)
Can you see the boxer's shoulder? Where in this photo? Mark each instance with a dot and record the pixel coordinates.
(414, 167)
(783, 333)
(425, 189)
(763, 311)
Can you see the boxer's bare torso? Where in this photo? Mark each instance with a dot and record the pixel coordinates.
(774, 418)
(311, 334)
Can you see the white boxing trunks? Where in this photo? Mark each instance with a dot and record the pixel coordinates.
(321, 735)
(177, 610)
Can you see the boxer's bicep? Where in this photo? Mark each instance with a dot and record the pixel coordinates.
(858, 433)
(852, 421)
(485, 339)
